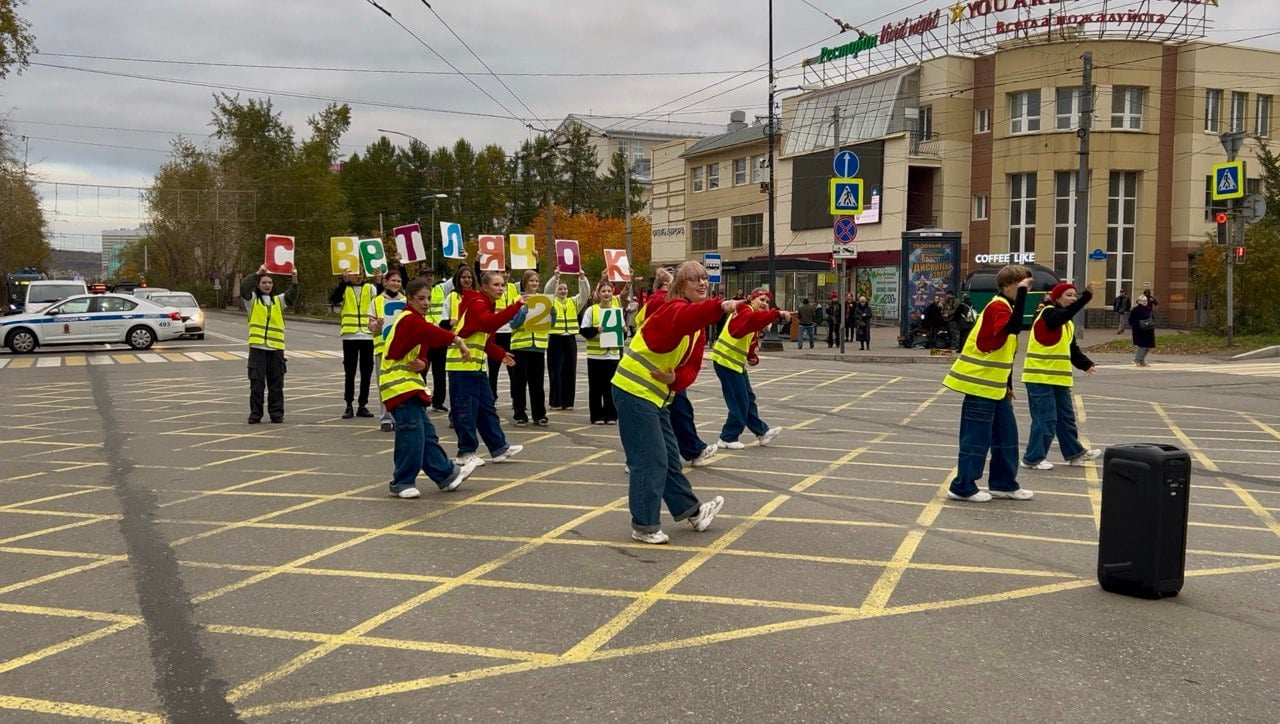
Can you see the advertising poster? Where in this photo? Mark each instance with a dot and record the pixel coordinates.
(930, 266)
(879, 284)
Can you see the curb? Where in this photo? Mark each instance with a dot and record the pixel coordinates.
(1272, 351)
(878, 359)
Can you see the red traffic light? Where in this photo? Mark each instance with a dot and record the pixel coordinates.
(1239, 254)
(1220, 217)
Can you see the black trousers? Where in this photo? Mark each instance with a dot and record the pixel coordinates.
(503, 340)
(529, 374)
(356, 352)
(439, 376)
(599, 389)
(266, 371)
(562, 368)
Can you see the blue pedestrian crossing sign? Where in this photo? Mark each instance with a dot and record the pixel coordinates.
(1228, 180)
(846, 196)
(846, 164)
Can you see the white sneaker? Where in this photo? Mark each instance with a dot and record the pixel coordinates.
(1085, 457)
(510, 452)
(463, 473)
(468, 459)
(408, 493)
(1019, 494)
(727, 445)
(657, 537)
(769, 434)
(704, 457)
(626, 468)
(981, 496)
(706, 512)
(1042, 465)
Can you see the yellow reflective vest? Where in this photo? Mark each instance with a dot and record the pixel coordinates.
(1049, 365)
(437, 302)
(633, 375)
(394, 376)
(379, 310)
(980, 373)
(355, 308)
(730, 352)
(595, 316)
(566, 316)
(266, 324)
(476, 342)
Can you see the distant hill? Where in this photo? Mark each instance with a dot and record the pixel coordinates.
(64, 263)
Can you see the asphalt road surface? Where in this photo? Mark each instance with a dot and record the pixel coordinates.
(160, 559)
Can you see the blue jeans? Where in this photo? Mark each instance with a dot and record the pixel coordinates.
(987, 425)
(805, 329)
(741, 401)
(1051, 414)
(473, 411)
(418, 448)
(654, 459)
(686, 432)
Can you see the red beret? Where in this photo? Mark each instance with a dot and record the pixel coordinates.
(1059, 289)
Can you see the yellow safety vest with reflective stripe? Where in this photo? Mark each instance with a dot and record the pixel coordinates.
(979, 373)
(521, 339)
(639, 361)
(437, 302)
(476, 342)
(266, 324)
(394, 376)
(355, 308)
(566, 316)
(594, 348)
(730, 352)
(379, 310)
(1049, 365)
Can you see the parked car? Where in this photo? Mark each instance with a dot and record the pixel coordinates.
(41, 294)
(192, 315)
(91, 319)
(148, 292)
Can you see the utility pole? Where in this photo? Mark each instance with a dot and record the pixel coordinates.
(626, 203)
(835, 136)
(550, 242)
(769, 340)
(1231, 142)
(1081, 233)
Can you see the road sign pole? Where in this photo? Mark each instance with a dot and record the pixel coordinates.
(835, 137)
(1081, 232)
(1231, 143)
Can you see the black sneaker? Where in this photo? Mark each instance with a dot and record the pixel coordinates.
(363, 412)
(439, 408)
(543, 422)
(348, 413)
(521, 421)
(254, 420)
(277, 420)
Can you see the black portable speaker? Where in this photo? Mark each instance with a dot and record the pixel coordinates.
(1142, 542)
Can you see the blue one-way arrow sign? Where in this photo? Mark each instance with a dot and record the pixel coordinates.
(846, 164)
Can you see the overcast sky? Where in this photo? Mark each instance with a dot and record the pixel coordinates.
(139, 110)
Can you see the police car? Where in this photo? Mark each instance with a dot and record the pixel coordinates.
(92, 319)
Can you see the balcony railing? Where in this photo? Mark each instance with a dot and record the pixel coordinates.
(925, 144)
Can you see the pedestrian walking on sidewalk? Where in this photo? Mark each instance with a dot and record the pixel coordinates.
(1143, 322)
(861, 314)
(1121, 307)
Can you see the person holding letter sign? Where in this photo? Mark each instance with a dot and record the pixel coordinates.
(529, 347)
(603, 328)
(562, 344)
(356, 295)
(642, 390)
(734, 350)
(266, 341)
(386, 306)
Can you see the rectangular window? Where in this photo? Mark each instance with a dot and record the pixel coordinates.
(758, 172)
(713, 176)
(982, 122)
(1212, 109)
(1064, 223)
(925, 123)
(1126, 108)
(1068, 109)
(1024, 112)
(981, 207)
(748, 231)
(1122, 230)
(1262, 116)
(696, 182)
(1022, 212)
(739, 171)
(704, 235)
(1238, 101)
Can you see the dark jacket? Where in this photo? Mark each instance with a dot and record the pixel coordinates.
(249, 289)
(1122, 304)
(1054, 318)
(932, 316)
(1142, 337)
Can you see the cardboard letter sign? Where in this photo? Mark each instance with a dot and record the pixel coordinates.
(409, 246)
(343, 254)
(524, 255)
(538, 318)
(279, 259)
(616, 265)
(611, 331)
(568, 259)
(492, 253)
(451, 240)
(390, 310)
(373, 256)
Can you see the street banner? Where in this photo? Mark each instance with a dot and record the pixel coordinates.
(279, 254)
(373, 256)
(538, 318)
(451, 240)
(492, 254)
(617, 267)
(568, 258)
(524, 254)
(344, 255)
(611, 330)
(409, 245)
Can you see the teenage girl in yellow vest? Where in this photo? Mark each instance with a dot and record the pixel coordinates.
(439, 376)
(402, 389)
(562, 345)
(602, 361)
(1046, 371)
(641, 395)
(266, 341)
(734, 350)
(386, 306)
(356, 294)
(510, 294)
(983, 373)
(530, 352)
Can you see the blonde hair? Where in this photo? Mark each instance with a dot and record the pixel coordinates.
(687, 273)
(488, 276)
(1012, 274)
(524, 279)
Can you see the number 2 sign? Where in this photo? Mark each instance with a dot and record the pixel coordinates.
(538, 318)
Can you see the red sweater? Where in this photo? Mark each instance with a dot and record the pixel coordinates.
(746, 320)
(413, 330)
(667, 321)
(477, 310)
(999, 321)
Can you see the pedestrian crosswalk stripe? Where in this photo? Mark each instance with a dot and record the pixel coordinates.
(75, 360)
(133, 358)
(48, 362)
(150, 357)
(200, 356)
(224, 355)
(1250, 369)
(3, 362)
(101, 359)
(21, 363)
(125, 359)
(173, 357)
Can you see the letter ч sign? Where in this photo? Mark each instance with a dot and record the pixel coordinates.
(1228, 180)
(846, 196)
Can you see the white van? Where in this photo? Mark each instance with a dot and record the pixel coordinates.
(44, 293)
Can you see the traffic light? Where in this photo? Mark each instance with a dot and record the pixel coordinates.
(1220, 219)
(1238, 253)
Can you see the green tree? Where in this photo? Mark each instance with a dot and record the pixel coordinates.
(24, 232)
(375, 184)
(611, 200)
(579, 182)
(16, 40)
